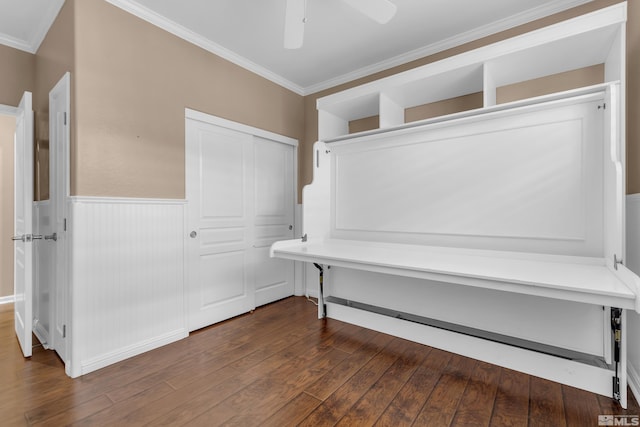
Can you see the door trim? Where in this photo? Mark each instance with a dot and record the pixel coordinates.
(219, 121)
(59, 172)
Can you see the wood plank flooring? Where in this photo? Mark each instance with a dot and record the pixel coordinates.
(281, 366)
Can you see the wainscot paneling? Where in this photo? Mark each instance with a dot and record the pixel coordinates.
(127, 278)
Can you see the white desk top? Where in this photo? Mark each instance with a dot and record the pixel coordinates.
(579, 279)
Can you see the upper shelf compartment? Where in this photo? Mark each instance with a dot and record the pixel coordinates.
(472, 80)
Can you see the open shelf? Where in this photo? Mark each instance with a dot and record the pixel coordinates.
(476, 79)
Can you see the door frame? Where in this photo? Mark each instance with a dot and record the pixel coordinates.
(59, 216)
(257, 132)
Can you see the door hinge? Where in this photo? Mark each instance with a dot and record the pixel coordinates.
(64, 331)
(65, 118)
(65, 224)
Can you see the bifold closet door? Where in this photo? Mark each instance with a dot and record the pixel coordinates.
(240, 193)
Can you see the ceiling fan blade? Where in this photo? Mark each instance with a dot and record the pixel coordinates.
(294, 24)
(379, 10)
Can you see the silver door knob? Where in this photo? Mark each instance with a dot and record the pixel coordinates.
(290, 227)
(193, 234)
(53, 237)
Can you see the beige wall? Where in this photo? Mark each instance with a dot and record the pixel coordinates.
(134, 81)
(633, 90)
(7, 129)
(17, 69)
(447, 106)
(53, 59)
(545, 85)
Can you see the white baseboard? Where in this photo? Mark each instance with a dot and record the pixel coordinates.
(130, 351)
(7, 300)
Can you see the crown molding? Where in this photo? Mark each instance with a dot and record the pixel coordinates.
(47, 21)
(40, 30)
(178, 30)
(539, 12)
(15, 43)
(131, 6)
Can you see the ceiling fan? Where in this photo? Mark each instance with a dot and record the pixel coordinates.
(296, 16)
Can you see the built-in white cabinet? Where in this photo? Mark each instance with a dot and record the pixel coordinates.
(494, 230)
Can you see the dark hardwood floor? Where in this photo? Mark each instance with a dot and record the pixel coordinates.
(282, 366)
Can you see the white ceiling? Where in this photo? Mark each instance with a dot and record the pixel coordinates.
(340, 44)
(24, 23)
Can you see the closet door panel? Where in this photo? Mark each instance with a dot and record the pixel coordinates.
(274, 210)
(219, 190)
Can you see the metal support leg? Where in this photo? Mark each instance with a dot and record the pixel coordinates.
(616, 329)
(322, 307)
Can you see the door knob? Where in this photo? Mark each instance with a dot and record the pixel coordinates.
(36, 237)
(53, 237)
(290, 227)
(193, 234)
(21, 238)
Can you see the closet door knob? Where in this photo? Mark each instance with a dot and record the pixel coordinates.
(193, 234)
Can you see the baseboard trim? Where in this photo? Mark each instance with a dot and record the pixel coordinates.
(134, 350)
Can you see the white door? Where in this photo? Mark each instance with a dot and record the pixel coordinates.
(241, 199)
(219, 169)
(274, 195)
(59, 106)
(23, 225)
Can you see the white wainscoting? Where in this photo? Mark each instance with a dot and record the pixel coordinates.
(127, 278)
(44, 270)
(632, 261)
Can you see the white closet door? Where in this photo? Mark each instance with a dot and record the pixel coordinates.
(219, 167)
(274, 211)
